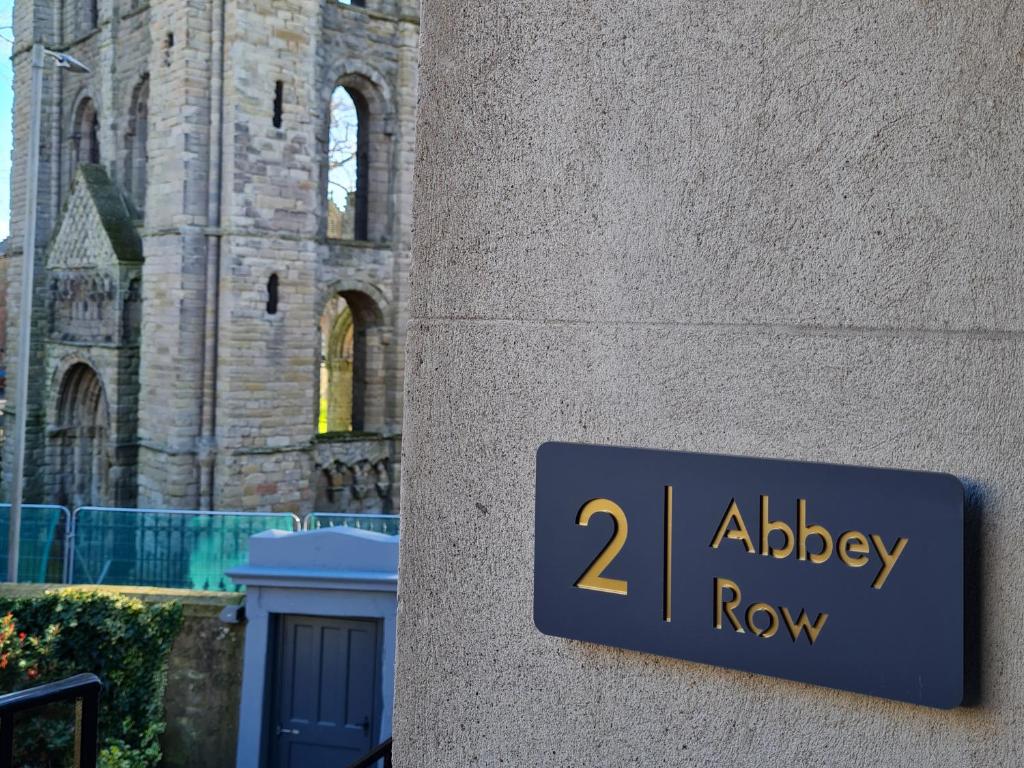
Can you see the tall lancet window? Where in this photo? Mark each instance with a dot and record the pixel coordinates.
(137, 140)
(347, 166)
(85, 140)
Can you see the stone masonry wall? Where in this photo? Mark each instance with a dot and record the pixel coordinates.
(176, 251)
(268, 365)
(226, 390)
(32, 21)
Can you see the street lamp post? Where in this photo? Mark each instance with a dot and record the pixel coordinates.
(64, 61)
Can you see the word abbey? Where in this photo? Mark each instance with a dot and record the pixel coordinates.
(852, 548)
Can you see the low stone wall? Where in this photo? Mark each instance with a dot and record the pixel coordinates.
(204, 675)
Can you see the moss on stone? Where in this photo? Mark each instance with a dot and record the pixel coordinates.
(117, 217)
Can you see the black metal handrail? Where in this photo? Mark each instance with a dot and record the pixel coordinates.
(382, 750)
(83, 689)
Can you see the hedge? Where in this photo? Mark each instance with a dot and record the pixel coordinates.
(122, 640)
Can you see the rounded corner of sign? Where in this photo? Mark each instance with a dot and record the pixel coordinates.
(538, 623)
(953, 694)
(545, 447)
(955, 482)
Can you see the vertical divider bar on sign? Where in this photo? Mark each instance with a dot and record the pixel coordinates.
(668, 553)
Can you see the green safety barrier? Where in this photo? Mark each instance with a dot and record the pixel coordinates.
(387, 524)
(175, 549)
(44, 529)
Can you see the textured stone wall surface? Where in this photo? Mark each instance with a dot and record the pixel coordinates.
(787, 230)
(31, 22)
(204, 682)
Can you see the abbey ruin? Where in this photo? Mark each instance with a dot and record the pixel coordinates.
(223, 256)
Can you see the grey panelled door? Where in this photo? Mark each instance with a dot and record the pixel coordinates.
(325, 701)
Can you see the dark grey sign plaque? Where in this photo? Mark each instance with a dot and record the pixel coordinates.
(849, 577)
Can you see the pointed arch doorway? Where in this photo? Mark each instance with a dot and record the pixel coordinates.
(81, 439)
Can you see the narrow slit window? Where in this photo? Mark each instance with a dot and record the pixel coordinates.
(278, 103)
(272, 295)
(168, 45)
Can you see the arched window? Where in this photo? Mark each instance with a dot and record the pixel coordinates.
(85, 139)
(137, 140)
(131, 318)
(351, 385)
(337, 367)
(347, 166)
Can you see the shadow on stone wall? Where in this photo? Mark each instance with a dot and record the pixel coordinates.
(204, 682)
(974, 507)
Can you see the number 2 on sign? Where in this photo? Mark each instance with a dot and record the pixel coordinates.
(592, 578)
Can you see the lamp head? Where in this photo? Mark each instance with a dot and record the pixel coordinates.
(71, 64)
(68, 62)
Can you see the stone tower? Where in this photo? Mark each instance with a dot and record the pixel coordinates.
(199, 299)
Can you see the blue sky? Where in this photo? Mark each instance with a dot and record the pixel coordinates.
(6, 99)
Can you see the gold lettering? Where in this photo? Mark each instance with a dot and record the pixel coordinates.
(767, 527)
(803, 624)
(732, 515)
(806, 531)
(888, 558)
(853, 541)
(592, 578)
(771, 629)
(720, 602)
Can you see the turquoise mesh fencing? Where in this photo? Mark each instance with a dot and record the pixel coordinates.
(387, 524)
(165, 548)
(178, 549)
(43, 539)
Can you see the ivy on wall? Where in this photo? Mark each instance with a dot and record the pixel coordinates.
(122, 640)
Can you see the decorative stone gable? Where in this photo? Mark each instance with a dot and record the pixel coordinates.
(94, 265)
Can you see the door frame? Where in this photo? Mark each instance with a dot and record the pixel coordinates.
(333, 595)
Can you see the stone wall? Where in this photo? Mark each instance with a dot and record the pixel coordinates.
(204, 681)
(4, 247)
(31, 21)
(781, 229)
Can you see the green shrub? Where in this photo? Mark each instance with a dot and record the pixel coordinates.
(123, 641)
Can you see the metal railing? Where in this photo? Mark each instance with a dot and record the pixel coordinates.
(380, 752)
(362, 521)
(172, 548)
(84, 690)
